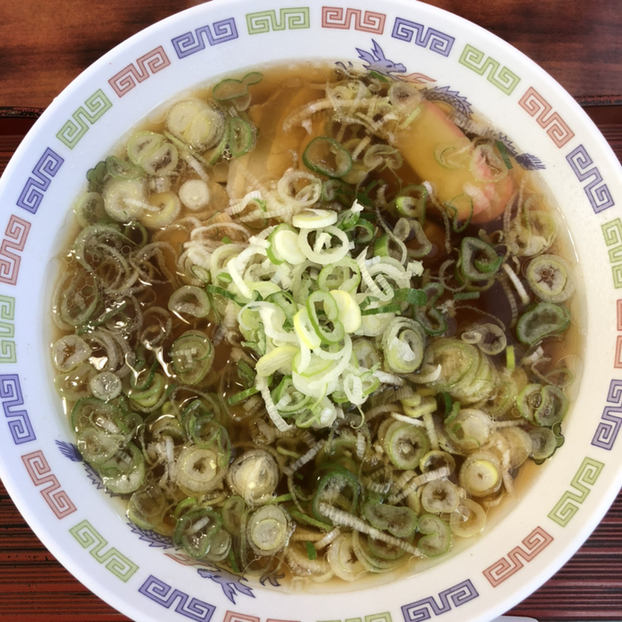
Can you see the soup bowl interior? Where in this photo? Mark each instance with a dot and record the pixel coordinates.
(557, 504)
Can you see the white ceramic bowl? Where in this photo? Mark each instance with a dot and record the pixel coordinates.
(144, 577)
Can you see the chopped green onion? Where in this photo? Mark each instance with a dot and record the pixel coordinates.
(192, 356)
(326, 156)
(550, 279)
(241, 135)
(231, 89)
(417, 297)
(436, 538)
(467, 295)
(478, 260)
(503, 150)
(268, 530)
(399, 521)
(542, 320)
(125, 471)
(405, 445)
(311, 550)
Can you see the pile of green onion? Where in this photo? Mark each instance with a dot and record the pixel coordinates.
(310, 375)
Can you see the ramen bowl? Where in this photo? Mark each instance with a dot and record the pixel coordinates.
(144, 575)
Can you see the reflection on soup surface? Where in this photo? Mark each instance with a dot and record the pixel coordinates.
(311, 321)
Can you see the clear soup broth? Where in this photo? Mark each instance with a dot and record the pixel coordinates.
(315, 326)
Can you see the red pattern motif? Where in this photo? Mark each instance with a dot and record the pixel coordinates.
(364, 21)
(13, 243)
(505, 567)
(536, 106)
(146, 65)
(41, 475)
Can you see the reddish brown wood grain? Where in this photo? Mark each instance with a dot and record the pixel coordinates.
(576, 41)
(34, 587)
(44, 45)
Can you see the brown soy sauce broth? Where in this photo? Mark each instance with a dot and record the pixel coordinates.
(286, 88)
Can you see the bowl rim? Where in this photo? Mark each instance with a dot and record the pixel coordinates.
(22, 497)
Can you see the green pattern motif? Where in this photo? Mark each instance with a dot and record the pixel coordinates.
(85, 116)
(612, 232)
(8, 352)
(114, 561)
(264, 21)
(570, 502)
(477, 61)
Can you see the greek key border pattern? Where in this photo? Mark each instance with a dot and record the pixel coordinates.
(147, 65)
(612, 233)
(189, 43)
(609, 425)
(41, 474)
(42, 174)
(571, 500)
(113, 560)
(83, 118)
(194, 41)
(12, 245)
(233, 616)
(12, 400)
(595, 188)
(166, 596)
(511, 563)
(364, 21)
(8, 349)
(448, 599)
(500, 76)
(292, 18)
(536, 106)
(430, 38)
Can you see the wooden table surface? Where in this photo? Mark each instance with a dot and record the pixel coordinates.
(44, 44)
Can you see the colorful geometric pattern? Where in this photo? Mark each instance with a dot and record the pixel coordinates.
(609, 426)
(596, 189)
(434, 40)
(45, 169)
(13, 243)
(89, 538)
(288, 18)
(146, 65)
(75, 128)
(612, 232)
(374, 617)
(233, 616)
(452, 597)
(8, 351)
(570, 502)
(364, 21)
(41, 475)
(507, 566)
(12, 398)
(166, 596)
(476, 60)
(192, 42)
(264, 21)
(536, 106)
